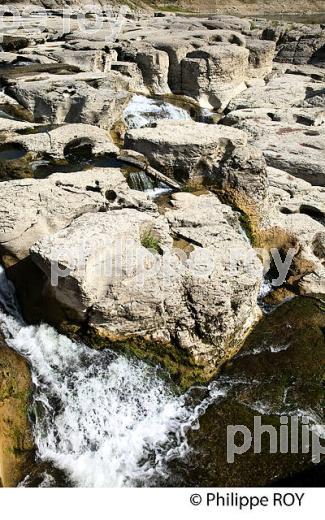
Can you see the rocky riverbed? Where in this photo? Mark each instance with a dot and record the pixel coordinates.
(162, 187)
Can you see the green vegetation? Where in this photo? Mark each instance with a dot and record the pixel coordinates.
(175, 363)
(150, 240)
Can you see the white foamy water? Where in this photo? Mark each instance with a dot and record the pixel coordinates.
(105, 419)
(143, 111)
(266, 289)
(155, 193)
(263, 348)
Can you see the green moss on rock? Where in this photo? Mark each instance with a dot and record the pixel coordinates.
(16, 442)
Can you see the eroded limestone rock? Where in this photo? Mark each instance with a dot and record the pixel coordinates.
(57, 143)
(135, 287)
(71, 100)
(32, 209)
(299, 208)
(287, 90)
(214, 75)
(290, 146)
(185, 149)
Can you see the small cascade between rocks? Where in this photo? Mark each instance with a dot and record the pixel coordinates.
(143, 111)
(140, 181)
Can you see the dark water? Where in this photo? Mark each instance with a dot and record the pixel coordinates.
(140, 181)
(11, 152)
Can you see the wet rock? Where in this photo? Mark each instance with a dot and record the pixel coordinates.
(16, 442)
(279, 372)
(244, 173)
(144, 111)
(12, 43)
(138, 160)
(46, 475)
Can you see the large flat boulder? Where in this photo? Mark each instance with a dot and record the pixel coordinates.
(287, 144)
(136, 285)
(287, 90)
(75, 99)
(35, 208)
(57, 143)
(185, 149)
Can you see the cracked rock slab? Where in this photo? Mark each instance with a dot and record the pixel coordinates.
(32, 209)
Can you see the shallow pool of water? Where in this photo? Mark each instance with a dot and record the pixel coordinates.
(11, 152)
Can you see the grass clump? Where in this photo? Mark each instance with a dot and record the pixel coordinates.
(150, 240)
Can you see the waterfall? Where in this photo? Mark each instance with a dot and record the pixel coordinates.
(143, 111)
(140, 181)
(103, 418)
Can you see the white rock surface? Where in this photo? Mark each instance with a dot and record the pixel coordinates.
(204, 302)
(35, 208)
